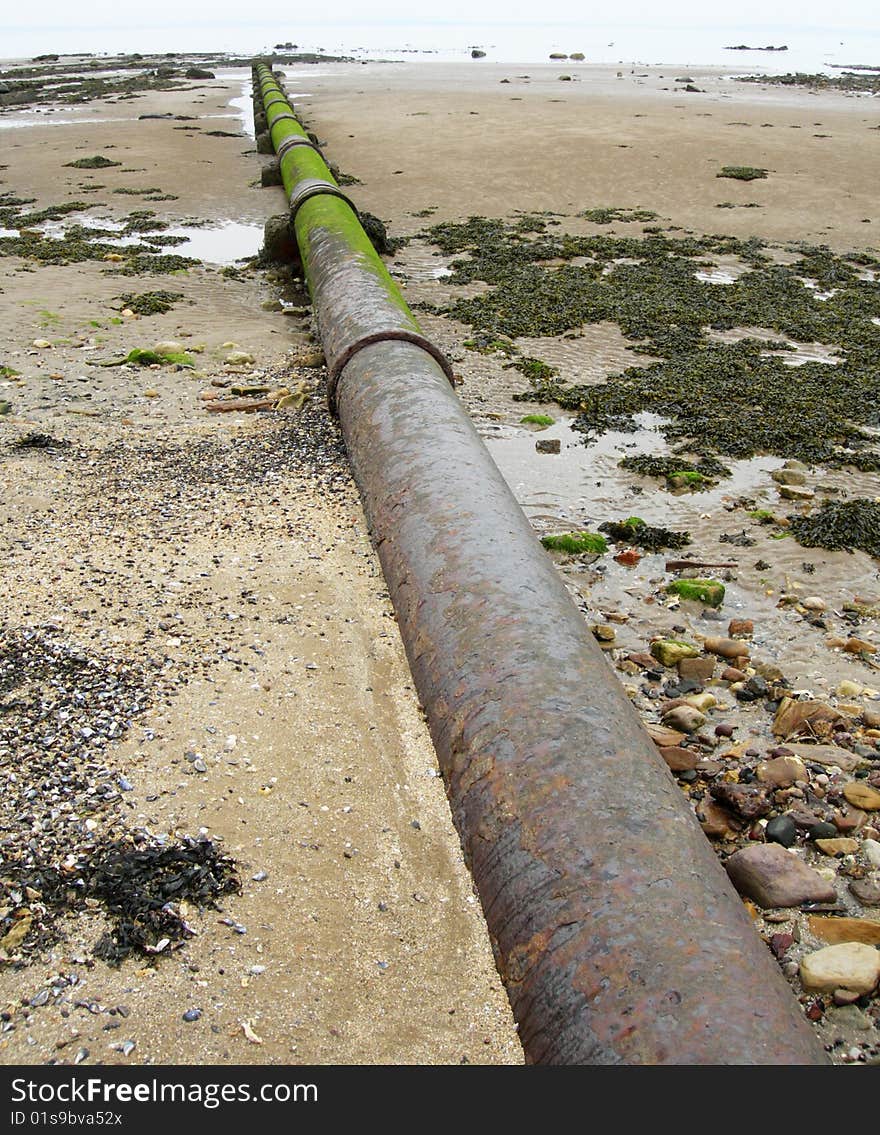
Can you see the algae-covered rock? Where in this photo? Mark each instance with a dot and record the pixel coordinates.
(669, 651)
(576, 543)
(708, 591)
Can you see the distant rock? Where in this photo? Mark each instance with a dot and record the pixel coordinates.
(198, 73)
(477, 54)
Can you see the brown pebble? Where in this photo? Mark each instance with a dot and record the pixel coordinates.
(724, 730)
(731, 674)
(838, 847)
(698, 669)
(740, 628)
(678, 758)
(849, 820)
(867, 891)
(726, 647)
(862, 796)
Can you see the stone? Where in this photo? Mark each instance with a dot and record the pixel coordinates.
(679, 759)
(774, 877)
(279, 240)
(871, 718)
(782, 830)
(849, 1015)
(862, 795)
(826, 755)
(849, 820)
(814, 603)
(836, 930)
(821, 829)
(726, 647)
(198, 73)
(715, 821)
(731, 674)
(642, 660)
(702, 702)
(239, 358)
(603, 632)
(669, 652)
(859, 646)
(867, 891)
(805, 718)
(548, 445)
(838, 846)
(748, 800)
(685, 718)
(663, 737)
(871, 851)
(740, 628)
(698, 669)
(848, 965)
(795, 493)
(788, 477)
(781, 772)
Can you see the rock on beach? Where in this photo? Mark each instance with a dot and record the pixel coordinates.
(775, 877)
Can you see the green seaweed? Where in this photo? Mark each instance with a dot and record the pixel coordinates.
(148, 357)
(537, 420)
(677, 472)
(576, 543)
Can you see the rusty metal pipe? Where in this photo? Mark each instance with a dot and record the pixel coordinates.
(617, 933)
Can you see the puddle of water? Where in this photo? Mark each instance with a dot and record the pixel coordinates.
(715, 276)
(244, 105)
(583, 484)
(219, 244)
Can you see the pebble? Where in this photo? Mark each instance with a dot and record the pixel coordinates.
(670, 651)
(748, 800)
(192, 1015)
(726, 647)
(848, 965)
(684, 717)
(679, 759)
(740, 628)
(781, 772)
(867, 891)
(732, 674)
(781, 829)
(774, 877)
(862, 796)
(814, 603)
(871, 851)
(701, 669)
(548, 445)
(836, 930)
(838, 847)
(825, 755)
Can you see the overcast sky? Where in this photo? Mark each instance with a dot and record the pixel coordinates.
(863, 14)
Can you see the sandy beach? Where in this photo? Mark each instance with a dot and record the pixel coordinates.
(226, 556)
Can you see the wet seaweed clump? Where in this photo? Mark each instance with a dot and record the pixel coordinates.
(143, 887)
(742, 173)
(607, 216)
(841, 525)
(535, 370)
(36, 440)
(636, 532)
(867, 83)
(150, 303)
(97, 161)
(678, 473)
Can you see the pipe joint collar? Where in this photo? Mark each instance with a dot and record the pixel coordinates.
(394, 334)
(312, 187)
(292, 140)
